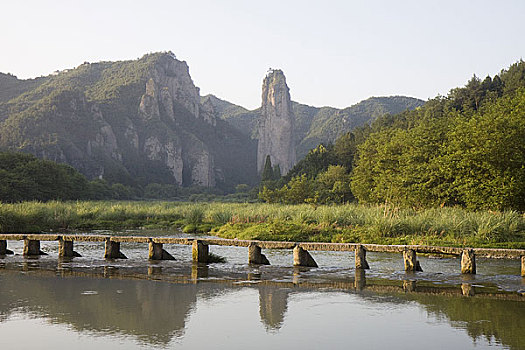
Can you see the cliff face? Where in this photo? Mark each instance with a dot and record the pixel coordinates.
(131, 122)
(276, 124)
(169, 88)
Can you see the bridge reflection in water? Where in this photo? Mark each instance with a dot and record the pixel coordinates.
(155, 307)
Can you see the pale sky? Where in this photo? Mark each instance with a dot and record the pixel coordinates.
(333, 53)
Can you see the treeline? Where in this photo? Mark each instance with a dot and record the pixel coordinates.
(23, 177)
(465, 149)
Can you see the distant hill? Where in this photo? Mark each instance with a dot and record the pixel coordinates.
(11, 86)
(315, 125)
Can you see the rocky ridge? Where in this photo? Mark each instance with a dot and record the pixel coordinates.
(315, 125)
(276, 124)
(133, 121)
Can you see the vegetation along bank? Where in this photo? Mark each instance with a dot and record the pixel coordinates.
(380, 224)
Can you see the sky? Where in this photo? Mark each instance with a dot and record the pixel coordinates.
(333, 53)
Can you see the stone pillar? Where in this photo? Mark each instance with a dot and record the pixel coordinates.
(157, 253)
(523, 266)
(468, 261)
(65, 249)
(301, 257)
(360, 258)
(32, 247)
(410, 259)
(3, 248)
(255, 256)
(199, 251)
(113, 250)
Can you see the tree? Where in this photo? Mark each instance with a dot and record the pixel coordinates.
(267, 173)
(334, 185)
(487, 156)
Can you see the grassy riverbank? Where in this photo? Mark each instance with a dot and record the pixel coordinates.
(343, 223)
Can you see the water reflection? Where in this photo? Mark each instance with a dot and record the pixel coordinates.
(273, 304)
(360, 279)
(154, 312)
(156, 303)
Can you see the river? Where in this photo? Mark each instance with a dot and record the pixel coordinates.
(92, 303)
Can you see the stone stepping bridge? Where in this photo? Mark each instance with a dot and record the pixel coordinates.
(301, 256)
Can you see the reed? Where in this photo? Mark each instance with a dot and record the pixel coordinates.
(382, 224)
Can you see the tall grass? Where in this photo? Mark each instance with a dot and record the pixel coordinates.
(341, 223)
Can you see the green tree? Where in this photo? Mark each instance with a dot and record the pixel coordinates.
(487, 156)
(333, 185)
(267, 173)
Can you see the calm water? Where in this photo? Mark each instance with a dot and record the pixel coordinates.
(89, 303)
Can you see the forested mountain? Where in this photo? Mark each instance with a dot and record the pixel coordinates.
(132, 122)
(12, 86)
(315, 125)
(466, 149)
(143, 121)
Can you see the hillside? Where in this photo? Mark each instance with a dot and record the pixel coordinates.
(143, 121)
(315, 125)
(133, 122)
(465, 149)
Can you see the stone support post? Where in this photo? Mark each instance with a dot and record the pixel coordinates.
(523, 266)
(113, 250)
(468, 261)
(410, 259)
(65, 249)
(3, 248)
(255, 256)
(360, 258)
(301, 257)
(32, 248)
(156, 252)
(199, 251)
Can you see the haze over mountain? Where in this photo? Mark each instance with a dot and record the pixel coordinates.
(144, 121)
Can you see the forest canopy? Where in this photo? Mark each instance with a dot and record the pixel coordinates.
(465, 149)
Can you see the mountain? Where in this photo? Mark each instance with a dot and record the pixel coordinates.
(315, 125)
(143, 121)
(134, 122)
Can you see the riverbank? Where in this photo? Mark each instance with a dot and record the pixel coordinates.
(342, 223)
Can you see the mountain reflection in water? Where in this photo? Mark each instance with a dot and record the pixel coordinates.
(156, 309)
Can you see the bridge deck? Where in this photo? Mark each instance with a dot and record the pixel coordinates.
(313, 246)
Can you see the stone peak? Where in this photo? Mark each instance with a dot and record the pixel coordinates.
(274, 76)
